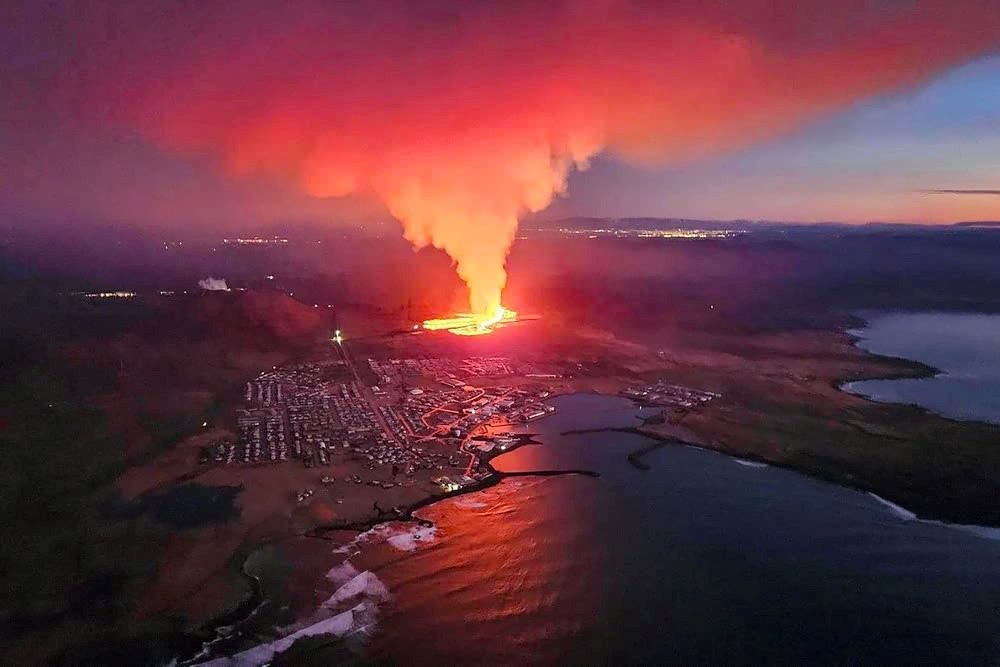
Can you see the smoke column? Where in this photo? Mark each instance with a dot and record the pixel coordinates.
(461, 117)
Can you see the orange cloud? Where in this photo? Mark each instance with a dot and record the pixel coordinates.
(461, 118)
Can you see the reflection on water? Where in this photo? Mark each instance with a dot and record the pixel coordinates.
(698, 560)
(964, 347)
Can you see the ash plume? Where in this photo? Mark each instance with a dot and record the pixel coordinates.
(461, 117)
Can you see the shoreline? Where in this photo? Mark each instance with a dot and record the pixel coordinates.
(406, 513)
(985, 532)
(909, 369)
(208, 632)
(899, 368)
(234, 619)
(662, 441)
(635, 458)
(920, 371)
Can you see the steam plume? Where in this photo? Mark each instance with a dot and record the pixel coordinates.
(461, 117)
(214, 284)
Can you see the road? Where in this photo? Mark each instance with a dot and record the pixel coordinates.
(370, 397)
(365, 390)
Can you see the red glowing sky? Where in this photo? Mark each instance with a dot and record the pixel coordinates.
(441, 112)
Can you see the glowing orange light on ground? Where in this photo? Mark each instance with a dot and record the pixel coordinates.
(472, 324)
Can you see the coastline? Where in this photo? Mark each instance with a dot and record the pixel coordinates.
(213, 631)
(985, 532)
(908, 368)
(635, 458)
(918, 370)
(899, 368)
(406, 513)
(817, 468)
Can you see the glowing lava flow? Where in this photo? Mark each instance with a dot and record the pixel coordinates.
(471, 324)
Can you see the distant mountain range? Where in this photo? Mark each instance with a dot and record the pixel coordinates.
(994, 224)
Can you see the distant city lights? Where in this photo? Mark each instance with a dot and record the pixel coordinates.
(110, 295)
(256, 240)
(654, 233)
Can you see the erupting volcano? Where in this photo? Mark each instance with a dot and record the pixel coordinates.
(460, 118)
(471, 324)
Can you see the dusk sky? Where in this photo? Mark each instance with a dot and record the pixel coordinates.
(510, 332)
(879, 160)
(782, 111)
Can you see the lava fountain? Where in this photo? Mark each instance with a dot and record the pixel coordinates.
(472, 324)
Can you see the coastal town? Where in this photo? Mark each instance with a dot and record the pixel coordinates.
(422, 416)
(675, 401)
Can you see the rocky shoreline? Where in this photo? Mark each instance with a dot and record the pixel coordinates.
(214, 630)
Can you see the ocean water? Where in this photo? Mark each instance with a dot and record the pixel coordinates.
(964, 347)
(700, 560)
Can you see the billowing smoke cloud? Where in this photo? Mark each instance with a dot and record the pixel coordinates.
(214, 284)
(461, 117)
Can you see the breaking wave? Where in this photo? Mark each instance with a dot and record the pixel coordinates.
(342, 573)
(901, 512)
(352, 610)
(750, 464)
(356, 619)
(365, 586)
(985, 532)
(404, 537)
